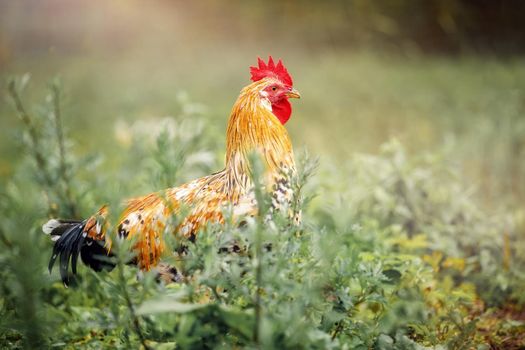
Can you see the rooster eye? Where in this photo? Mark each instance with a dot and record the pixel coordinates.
(274, 88)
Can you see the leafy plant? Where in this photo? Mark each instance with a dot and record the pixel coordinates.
(392, 253)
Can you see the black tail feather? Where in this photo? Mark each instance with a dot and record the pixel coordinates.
(76, 252)
(73, 241)
(66, 231)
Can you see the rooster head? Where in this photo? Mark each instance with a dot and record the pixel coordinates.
(278, 87)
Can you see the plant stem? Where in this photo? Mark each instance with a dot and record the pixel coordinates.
(64, 174)
(5, 240)
(257, 174)
(33, 134)
(131, 307)
(34, 146)
(258, 284)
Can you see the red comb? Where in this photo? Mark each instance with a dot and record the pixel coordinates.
(271, 70)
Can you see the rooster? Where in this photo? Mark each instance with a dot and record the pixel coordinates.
(256, 124)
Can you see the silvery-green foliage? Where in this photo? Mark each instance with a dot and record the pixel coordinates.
(392, 253)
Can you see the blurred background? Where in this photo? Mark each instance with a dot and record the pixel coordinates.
(415, 108)
(436, 74)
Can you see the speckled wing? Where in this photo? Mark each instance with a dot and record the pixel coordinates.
(148, 218)
(283, 196)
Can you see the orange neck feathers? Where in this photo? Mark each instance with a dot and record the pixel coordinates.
(253, 127)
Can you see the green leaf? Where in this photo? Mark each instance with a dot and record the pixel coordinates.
(167, 305)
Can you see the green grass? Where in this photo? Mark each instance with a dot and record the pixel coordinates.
(409, 242)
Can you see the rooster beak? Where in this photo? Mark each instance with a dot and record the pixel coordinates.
(293, 93)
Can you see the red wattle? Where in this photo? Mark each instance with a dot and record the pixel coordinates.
(282, 110)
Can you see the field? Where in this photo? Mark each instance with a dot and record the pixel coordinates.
(412, 182)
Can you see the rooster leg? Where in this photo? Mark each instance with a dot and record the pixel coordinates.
(164, 273)
(167, 273)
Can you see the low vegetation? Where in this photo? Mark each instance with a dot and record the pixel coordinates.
(394, 252)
